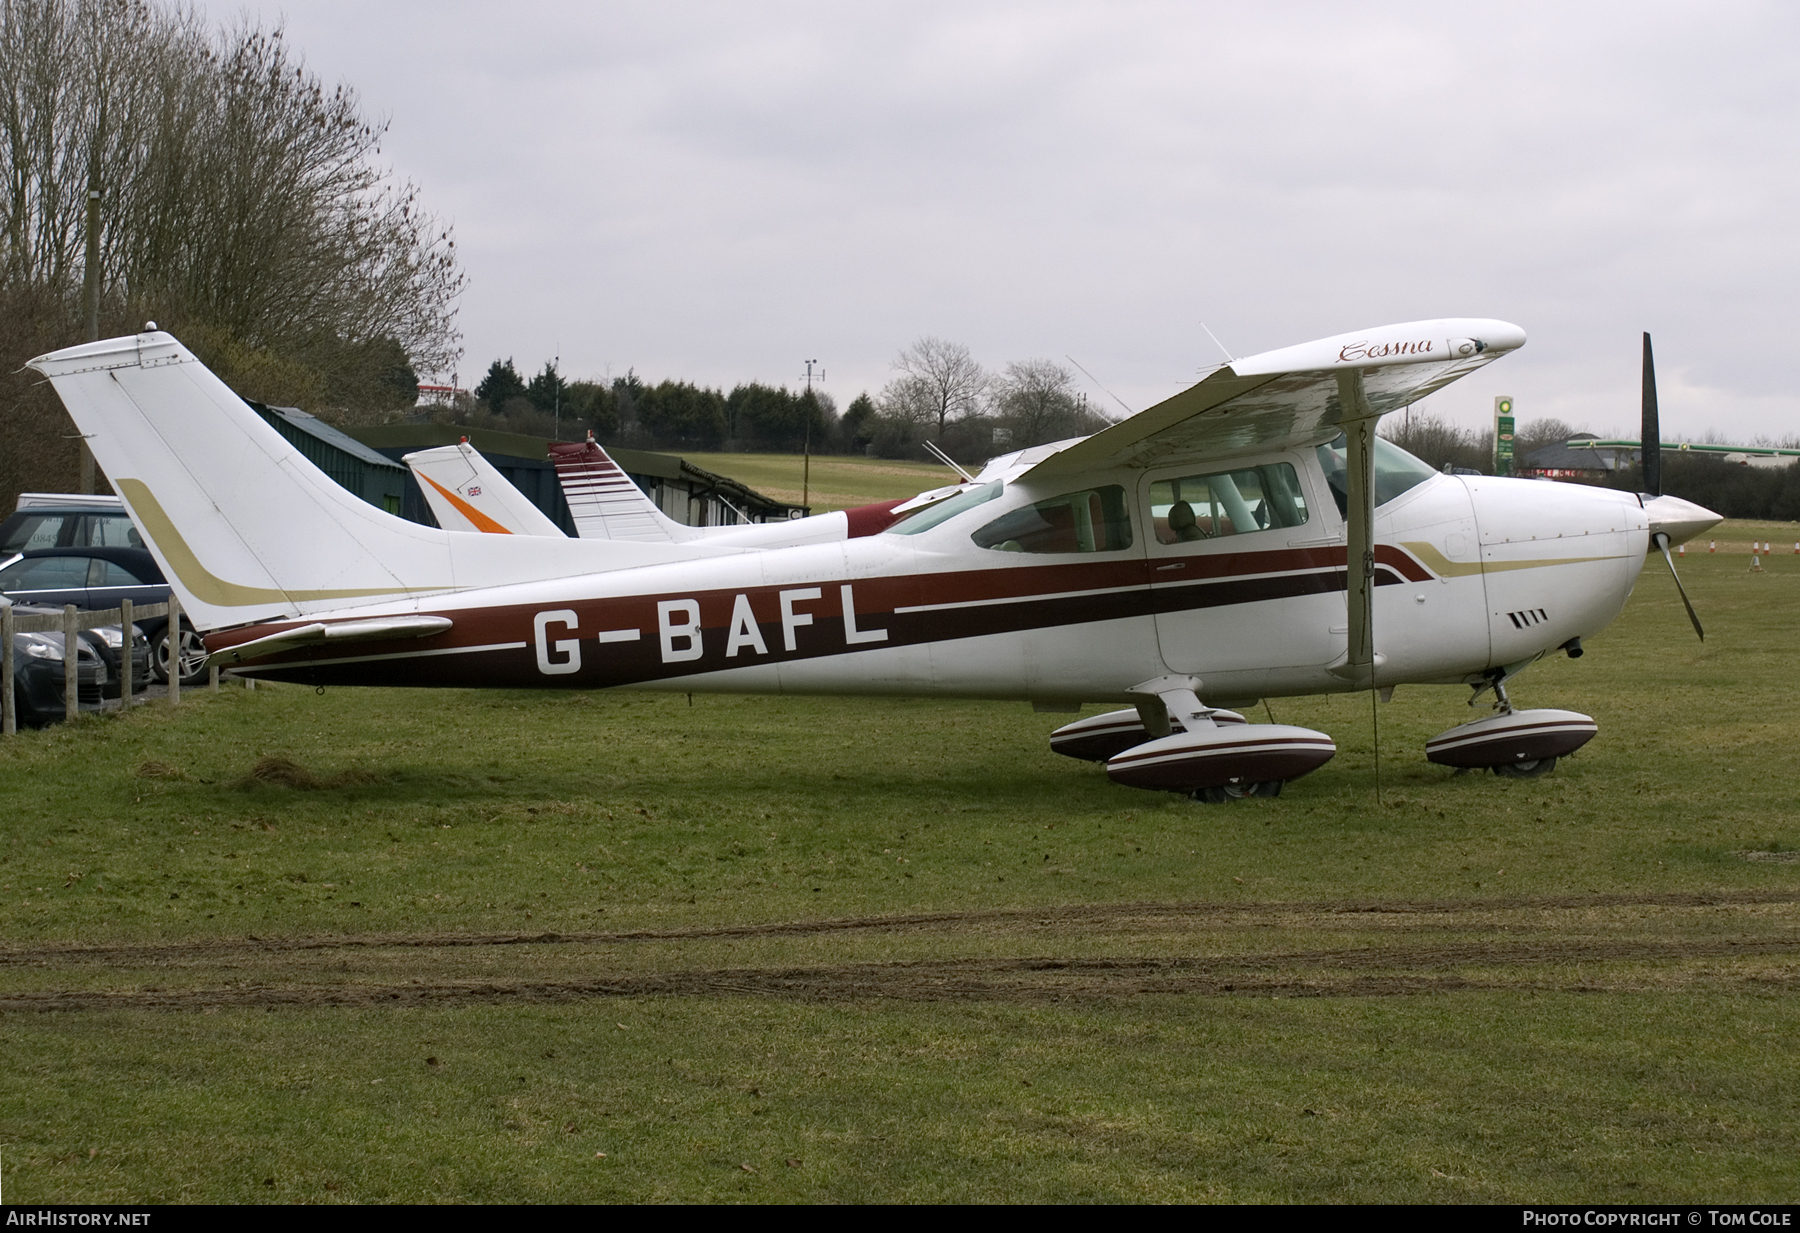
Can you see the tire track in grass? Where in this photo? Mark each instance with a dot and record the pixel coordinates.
(979, 919)
(1341, 972)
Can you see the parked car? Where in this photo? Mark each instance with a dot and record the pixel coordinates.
(58, 520)
(38, 668)
(94, 578)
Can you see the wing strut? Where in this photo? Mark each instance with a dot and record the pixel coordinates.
(1359, 546)
(1359, 528)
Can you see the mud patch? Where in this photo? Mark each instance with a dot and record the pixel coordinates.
(279, 771)
(1778, 858)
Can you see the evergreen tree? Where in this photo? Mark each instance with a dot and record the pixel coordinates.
(546, 389)
(501, 385)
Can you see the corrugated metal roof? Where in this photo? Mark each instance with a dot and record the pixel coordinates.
(314, 426)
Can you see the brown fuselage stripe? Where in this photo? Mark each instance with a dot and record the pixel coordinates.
(1000, 601)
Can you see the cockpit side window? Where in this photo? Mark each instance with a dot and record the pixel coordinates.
(1197, 507)
(1092, 520)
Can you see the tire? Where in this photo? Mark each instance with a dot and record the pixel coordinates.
(1234, 792)
(1537, 768)
(193, 657)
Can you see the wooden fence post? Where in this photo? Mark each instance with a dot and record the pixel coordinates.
(174, 641)
(9, 721)
(125, 675)
(71, 658)
(212, 677)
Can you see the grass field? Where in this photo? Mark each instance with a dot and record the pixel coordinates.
(827, 481)
(457, 946)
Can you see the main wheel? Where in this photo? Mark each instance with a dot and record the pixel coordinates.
(192, 656)
(1236, 792)
(1536, 768)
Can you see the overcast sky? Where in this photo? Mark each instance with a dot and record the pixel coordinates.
(719, 192)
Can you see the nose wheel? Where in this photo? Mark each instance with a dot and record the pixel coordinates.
(1535, 768)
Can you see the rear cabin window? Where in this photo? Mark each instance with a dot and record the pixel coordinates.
(1092, 520)
(109, 531)
(1197, 507)
(34, 531)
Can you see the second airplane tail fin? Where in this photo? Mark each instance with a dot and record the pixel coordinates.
(605, 502)
(466, 492)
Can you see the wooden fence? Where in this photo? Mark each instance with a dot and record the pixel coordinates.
(69, 623)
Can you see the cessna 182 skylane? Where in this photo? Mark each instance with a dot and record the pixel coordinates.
(1197, 549)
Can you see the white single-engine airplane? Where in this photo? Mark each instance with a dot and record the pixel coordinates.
(1195, 550)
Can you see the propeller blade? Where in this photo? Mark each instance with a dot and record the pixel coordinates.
(1662, 541)
(1650, 439)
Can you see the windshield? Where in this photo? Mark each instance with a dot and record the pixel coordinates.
(943, 511)
(1396, 471)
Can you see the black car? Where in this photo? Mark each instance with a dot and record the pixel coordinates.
(38, 668)
(94, 578)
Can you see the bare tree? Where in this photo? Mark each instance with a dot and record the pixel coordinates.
(1037, 402)
(1439, 443)
(242, 202)
(939, 383)
(1534, 436)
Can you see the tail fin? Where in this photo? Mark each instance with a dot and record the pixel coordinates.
(467, 493)
(244, 527)
(604, 501)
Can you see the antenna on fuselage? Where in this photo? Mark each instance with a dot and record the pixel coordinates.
(1091, 377)
(948, 461)
(1229, 358)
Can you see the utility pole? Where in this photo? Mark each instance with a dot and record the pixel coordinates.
(806, 449)
(556, 371)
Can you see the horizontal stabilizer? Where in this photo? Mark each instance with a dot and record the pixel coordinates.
(343, 631)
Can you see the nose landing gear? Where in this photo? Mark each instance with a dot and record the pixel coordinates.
(1513, 744)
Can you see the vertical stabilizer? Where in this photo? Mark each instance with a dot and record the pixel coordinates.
(244, 527)
(466, 492)
(604, 501)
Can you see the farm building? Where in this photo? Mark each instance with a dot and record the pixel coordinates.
(380, 481)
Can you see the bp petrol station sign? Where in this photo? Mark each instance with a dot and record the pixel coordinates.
(1503, 436)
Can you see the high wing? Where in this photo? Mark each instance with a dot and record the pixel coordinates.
(1292, 397)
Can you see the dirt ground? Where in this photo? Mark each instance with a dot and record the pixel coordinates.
(1745, 940)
